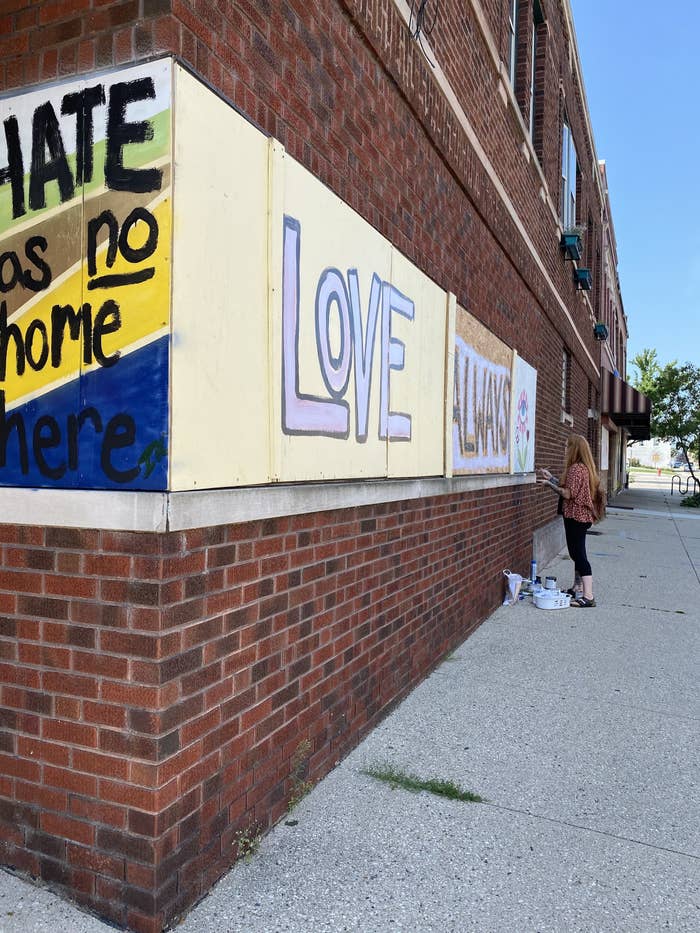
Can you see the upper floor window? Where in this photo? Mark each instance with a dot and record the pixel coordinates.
(535, 43)
(512, 39)
(565, 380)
(569, 168)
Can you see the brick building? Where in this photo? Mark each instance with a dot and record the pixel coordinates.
(625, 411)
(261, 486)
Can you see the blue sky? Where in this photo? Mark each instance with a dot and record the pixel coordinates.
(640, 72)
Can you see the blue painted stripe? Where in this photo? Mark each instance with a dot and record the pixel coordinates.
(129, 398)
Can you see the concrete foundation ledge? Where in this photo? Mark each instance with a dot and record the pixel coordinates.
(548, 541)
(179, 511)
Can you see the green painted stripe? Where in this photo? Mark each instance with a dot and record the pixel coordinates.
(135, 156)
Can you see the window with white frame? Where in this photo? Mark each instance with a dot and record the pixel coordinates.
(568, 177)
(512, 39)
(537, 21)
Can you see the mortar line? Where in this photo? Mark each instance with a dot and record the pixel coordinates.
(588, 829)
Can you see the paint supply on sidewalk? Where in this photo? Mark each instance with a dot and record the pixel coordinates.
(551, 599)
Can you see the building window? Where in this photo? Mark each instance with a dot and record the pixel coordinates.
(512, 39)
(592, 428)
(565, 381)
(536, 43)
(569, 170)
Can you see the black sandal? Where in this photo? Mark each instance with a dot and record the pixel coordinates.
(582, 603)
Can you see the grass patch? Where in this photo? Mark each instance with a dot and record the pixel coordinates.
(649, 469)
(396, 778)
(692, 502)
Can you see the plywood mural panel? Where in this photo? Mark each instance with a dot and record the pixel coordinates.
(220, 391)
(416, 321)
(85, 282)
(482, 399)
(522, 425)
(183, 306)
(335, 270)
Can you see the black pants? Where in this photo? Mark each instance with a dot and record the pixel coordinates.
(576, 544)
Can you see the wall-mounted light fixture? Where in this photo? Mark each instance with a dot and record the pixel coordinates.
(583, 279)
(572, 245)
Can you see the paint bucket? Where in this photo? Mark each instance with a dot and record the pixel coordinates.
(552, 599)
(550, 583)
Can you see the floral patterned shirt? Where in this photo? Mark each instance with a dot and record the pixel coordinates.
(580, 505)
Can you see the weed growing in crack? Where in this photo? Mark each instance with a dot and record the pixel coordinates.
(300, 786)
(247, 842)
(396, 778)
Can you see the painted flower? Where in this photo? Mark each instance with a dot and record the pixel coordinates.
(521, 414)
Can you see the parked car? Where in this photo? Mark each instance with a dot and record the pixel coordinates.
(680, 463)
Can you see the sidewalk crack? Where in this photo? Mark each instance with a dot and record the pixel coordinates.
(589, 829)
(687, 553)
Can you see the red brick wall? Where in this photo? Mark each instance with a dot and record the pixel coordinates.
(155, 688)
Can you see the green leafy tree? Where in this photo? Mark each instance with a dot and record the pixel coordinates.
(648, 365)
(674, 391)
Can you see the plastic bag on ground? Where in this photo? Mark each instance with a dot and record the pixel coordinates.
(515, 581)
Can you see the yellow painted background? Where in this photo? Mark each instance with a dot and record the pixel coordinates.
(220, 395)
(332, 235)
(232, 190)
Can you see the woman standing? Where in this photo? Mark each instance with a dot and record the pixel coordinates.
(582, 495)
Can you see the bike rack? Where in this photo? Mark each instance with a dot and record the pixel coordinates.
(681, 491)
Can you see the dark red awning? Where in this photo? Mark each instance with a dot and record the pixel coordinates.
(626, 406)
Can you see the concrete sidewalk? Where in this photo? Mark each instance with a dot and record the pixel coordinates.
(578, 727)
(647, 491)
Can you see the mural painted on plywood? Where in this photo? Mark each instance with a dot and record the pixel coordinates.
(85, 224)
(482, 399)
(354, 347)
(361, 344)
(522, 431)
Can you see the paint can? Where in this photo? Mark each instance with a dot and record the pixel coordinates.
(550, 583)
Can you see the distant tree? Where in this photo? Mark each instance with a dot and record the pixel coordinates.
(674, 391)
(648, 365)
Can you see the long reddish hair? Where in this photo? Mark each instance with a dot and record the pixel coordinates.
(578, 451)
